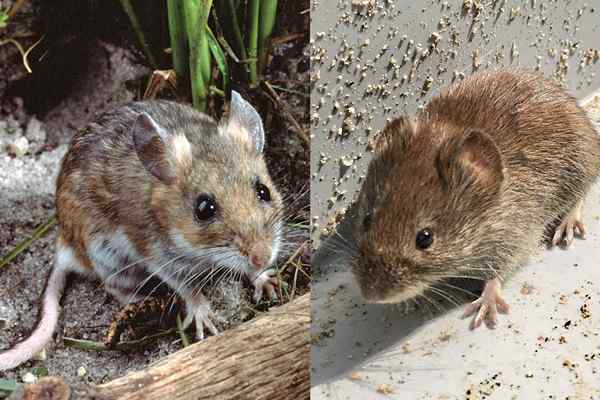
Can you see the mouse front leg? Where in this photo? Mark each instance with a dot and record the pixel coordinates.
(571, 225)
(198, 310)
(488, 305)
(265, 282)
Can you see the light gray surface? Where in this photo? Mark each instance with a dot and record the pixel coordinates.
(542, 27)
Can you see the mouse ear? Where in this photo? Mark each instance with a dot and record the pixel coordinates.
(399, 131)
(244, 123)
(161, 153)
(471, 158)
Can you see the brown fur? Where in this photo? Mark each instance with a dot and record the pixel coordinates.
(103, 186)
(488, 166)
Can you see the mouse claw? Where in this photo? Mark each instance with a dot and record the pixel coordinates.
(487, 306)
(572, 225)
(202, 316)
(267, 282)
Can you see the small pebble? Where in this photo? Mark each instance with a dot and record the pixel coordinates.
(41, 356)
(29, 378)
(34, 131)
(18, 147)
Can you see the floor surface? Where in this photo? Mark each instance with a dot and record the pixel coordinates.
(548, 347)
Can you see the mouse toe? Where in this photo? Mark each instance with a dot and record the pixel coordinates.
(266, 283)
(200, 312)
(487, 307)
(204, 320)
(571, 226)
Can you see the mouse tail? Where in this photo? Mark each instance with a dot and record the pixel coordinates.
(42, 334)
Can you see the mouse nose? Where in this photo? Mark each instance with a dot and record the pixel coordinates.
(259, 255)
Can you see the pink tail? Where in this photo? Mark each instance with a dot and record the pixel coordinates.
(43, 332)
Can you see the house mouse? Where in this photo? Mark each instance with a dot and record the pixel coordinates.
(157, 189)
(491, 167)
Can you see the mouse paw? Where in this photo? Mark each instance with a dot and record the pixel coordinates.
(487, 306)
(572, 225)
(266, 282)
(203, 316)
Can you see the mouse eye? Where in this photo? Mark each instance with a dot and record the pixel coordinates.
(367, 220)
(263, 192)
(424, 238)
(206, 207)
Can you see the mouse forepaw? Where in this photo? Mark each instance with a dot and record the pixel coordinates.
(203, 317)
(266, 283)
(487, 306)
(572, 225)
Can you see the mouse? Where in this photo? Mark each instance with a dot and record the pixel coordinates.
(158, 190)
(469, 188)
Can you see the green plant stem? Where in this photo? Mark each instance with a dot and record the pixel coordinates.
(179, 40)
(184, 339)
(216, 91)
(99, 346)
(219, 57)
(228, 8)
(135, 23)
(39, 232)
(254, 13)
(203, 37)
(283, 89)
(268, 14)
(196, 16)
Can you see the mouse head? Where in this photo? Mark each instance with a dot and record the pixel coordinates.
(212, 196)
(423, 209)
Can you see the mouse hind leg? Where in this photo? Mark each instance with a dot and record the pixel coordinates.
(571, 225)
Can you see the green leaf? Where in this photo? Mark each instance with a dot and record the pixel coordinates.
(3, 18)
(268, 14)
(179, 40)
(221, 60)
(39, 372)
(8, 385)
(253, 22)
(39, 232)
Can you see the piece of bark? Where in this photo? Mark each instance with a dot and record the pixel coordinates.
(266, 358)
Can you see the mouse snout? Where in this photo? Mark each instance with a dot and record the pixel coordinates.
(381, 277)
(370, 292)
(366, 271)
(259, 255)
(258, 252)
(374, 290)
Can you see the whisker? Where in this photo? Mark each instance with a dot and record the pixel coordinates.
(446, 296)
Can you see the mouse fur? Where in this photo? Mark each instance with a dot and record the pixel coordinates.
(490, 166)
(156, 189)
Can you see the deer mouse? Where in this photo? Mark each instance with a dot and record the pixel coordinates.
(469, 188)
(157, 189)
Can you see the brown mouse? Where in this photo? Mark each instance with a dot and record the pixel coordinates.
(471, 186)
(157, 189)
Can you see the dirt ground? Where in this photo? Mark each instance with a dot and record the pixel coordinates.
(106, 69)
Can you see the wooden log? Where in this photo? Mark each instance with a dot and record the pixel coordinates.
(266, 358)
